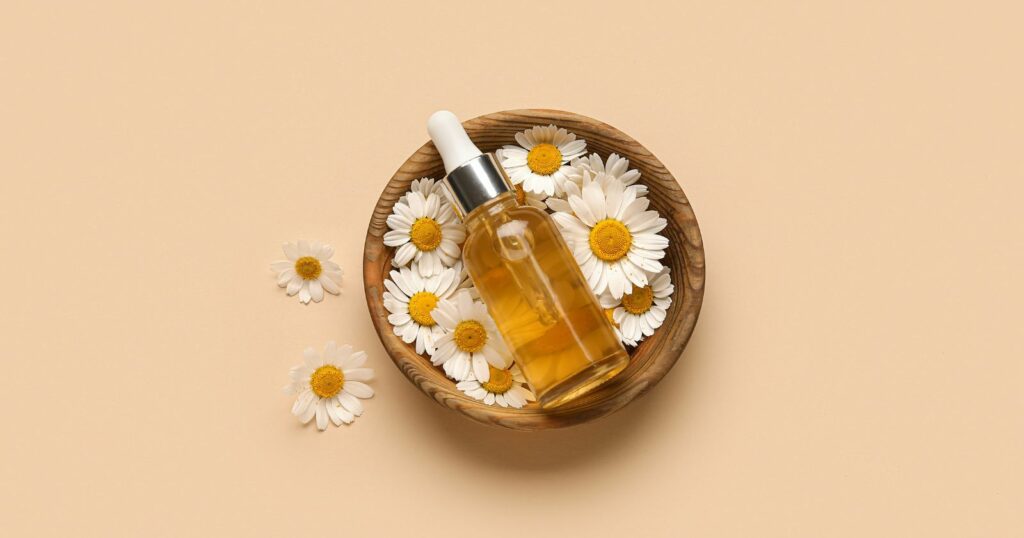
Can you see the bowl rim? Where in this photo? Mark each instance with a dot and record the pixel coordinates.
(651, 360)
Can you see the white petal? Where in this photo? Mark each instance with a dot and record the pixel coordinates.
(616, 281)
(405, 211)
(404, 254)
(633, 272)
(409, 333)
(494, 356)
(522, 139)
(287, 276)
(290, 251)
(582, 211)
(417, 203)
(395, 238)
(302, 403)
(321, 415)
(310, 411)
(399, 319)
(358, 389)
(312, 358)
(277, 267)
(359, 374)
(426, 263)
(630, 328)
(350, 403)
(402, 278)
(480, 369)
(432, 206)
(399, 229)
(594, 198)
(657, 315)
(326, 251)
(354, 360)
(331, 352)
(396, 291)
(316, 291)
(332, 412)
(329, 285)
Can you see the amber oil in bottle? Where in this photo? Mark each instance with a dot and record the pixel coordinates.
(540, 301)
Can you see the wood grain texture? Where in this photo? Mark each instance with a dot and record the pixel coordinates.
(649, 362)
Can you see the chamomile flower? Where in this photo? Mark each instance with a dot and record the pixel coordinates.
(466, 283)
(504, 387)
(471, 341)
(628, 341)
(616, 167)
(411, 299)
(541, 160)
(609, 313)
(592, 167)
(308, 271)
(613, 236)
(529, 198)
(426, 186)
(329, 387)
(638, 313)
(581, 176)
(523, 196)
(425, 230)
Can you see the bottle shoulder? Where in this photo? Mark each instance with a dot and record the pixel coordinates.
(530, 213)
(520, 219)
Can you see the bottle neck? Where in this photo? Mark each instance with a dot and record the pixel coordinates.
(476, 182)
(489, 211)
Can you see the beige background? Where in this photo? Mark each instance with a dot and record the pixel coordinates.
(856, 169)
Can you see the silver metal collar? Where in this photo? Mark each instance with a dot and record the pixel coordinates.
(476, 181)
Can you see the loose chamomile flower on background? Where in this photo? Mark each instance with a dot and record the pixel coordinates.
(425, 230)
(411, 299)
(541, 160)
(504, 387)
(638, 313)
(613, 237)
(329, 387)
(308, 271)
(471, 341)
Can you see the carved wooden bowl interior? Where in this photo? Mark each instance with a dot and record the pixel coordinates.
(650, 361)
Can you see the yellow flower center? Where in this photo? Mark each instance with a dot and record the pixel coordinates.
(544, 159)
(308, 267)
(608, 313)
(327, 381)
(610, 240)
(470, 336)
(520, 194)
(500, 381)
(421, 304)
(425, 233)
(639, 301)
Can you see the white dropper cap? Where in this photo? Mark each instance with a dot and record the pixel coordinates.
(451, 140)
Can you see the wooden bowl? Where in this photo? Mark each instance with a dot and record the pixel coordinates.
(649, 362)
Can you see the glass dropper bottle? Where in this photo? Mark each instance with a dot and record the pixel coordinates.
(526, 275)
